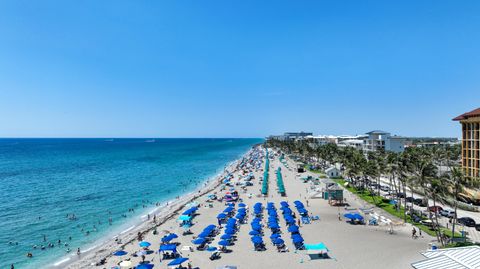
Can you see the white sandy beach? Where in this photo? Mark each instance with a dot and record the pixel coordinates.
(350, 246)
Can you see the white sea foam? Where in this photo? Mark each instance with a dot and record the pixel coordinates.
(61, 261)
(127, 230)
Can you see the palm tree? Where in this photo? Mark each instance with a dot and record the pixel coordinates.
(424, 174)
(436, 190)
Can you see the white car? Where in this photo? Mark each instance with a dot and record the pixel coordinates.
(449, 213)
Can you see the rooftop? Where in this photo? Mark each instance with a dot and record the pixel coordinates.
(377, 132)
(451, 258)
(464, 116)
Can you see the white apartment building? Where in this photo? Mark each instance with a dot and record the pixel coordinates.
(381, 140)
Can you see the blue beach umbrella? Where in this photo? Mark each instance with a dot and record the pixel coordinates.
(297, 240)
(257, 240)
(273, 236)
(144, 244)
(274, 226)
(221, 216)
(353, 216)
(144, 266)
(293, 229)
(254, 232)
(120, 253)
(177, 261)
(212, 249)
(242, 205)
(230, 231)
(184, 218)
(211, 227)
(199, 241)
(228, 209)
(204, 234)
(224, 243)
(278, 241)
(226, 236)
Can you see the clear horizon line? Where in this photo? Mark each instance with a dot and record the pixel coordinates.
(139, 137)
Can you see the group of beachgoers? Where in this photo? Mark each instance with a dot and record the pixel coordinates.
(168, 249)
(85, 229)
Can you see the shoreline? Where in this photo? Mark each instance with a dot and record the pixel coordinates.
(127, 232)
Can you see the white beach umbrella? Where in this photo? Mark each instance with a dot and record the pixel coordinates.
(125, 264)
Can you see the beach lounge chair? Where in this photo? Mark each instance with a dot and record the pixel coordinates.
(215, 256)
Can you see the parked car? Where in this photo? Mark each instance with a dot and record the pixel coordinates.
(477, 227)
(469, 222)
(409, 199)
(420, 202)
(427, 222)
(385, 188)
(449, 213)
(436, 209)
(401, 195)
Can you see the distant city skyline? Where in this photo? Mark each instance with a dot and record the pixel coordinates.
(236, 69)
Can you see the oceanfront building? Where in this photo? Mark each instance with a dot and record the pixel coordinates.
(470, 122)
(371, 141)
(381, 140)
(291, 136)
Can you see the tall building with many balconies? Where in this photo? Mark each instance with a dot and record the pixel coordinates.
(470, 122)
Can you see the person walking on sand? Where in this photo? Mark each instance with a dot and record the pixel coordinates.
(78, 251)
(339, 217)
(414, 233)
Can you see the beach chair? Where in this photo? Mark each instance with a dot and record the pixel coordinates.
(305, 220)
(215, 256)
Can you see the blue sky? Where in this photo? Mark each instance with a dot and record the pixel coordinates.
(236, 68)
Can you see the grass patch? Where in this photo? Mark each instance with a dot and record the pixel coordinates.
(384, 204)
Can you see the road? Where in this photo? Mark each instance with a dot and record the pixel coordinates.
(472, 233)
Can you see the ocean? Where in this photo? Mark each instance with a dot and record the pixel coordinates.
(70, 189)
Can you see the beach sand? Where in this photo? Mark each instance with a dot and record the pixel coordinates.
(351, 246)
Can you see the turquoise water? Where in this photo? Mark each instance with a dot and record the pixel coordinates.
(45, 181)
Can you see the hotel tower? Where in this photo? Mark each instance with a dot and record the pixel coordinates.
(470, 142)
